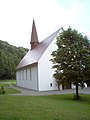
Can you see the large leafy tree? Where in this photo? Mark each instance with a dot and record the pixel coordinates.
(71, 60)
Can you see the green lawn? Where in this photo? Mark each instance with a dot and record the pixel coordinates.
(7, 88)
(7, 80)
(55, 107)
(4, 84)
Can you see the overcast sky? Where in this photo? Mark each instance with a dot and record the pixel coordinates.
(16, 18)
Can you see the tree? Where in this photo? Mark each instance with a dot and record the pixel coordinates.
(72, 58)
(2, 63)
(10, 56)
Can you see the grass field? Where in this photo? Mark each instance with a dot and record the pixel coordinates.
(54, 107)
(6, 85)
(7, 80)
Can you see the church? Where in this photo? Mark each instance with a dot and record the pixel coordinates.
(35, 69)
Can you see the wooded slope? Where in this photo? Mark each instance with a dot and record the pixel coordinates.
(10, 56)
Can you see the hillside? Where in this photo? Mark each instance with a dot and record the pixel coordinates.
(10, 56)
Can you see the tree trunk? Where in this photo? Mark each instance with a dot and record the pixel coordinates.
(77, 94)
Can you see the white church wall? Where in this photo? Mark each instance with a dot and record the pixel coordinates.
(18, 77)
(27, 78)
(45, 71)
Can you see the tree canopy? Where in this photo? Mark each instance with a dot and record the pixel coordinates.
(71, 60)
(10, 56)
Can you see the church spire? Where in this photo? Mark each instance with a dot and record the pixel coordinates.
(34, 37)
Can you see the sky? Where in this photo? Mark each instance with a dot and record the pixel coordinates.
(16, 18)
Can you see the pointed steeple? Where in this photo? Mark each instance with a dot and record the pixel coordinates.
(34, 38)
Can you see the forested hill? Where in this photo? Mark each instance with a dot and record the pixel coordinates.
(10, 56)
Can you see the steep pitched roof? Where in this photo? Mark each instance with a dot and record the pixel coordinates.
(34, 55)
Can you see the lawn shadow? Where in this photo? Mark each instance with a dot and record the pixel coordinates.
(70, 97)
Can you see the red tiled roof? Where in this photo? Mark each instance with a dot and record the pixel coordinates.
(34, 55)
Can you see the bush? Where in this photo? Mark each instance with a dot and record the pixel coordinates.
(2, 91)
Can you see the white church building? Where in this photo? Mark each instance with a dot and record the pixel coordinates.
(35, 69)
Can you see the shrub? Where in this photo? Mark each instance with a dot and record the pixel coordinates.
(2, 91)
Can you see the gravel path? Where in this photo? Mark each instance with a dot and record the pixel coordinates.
(28, 92)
